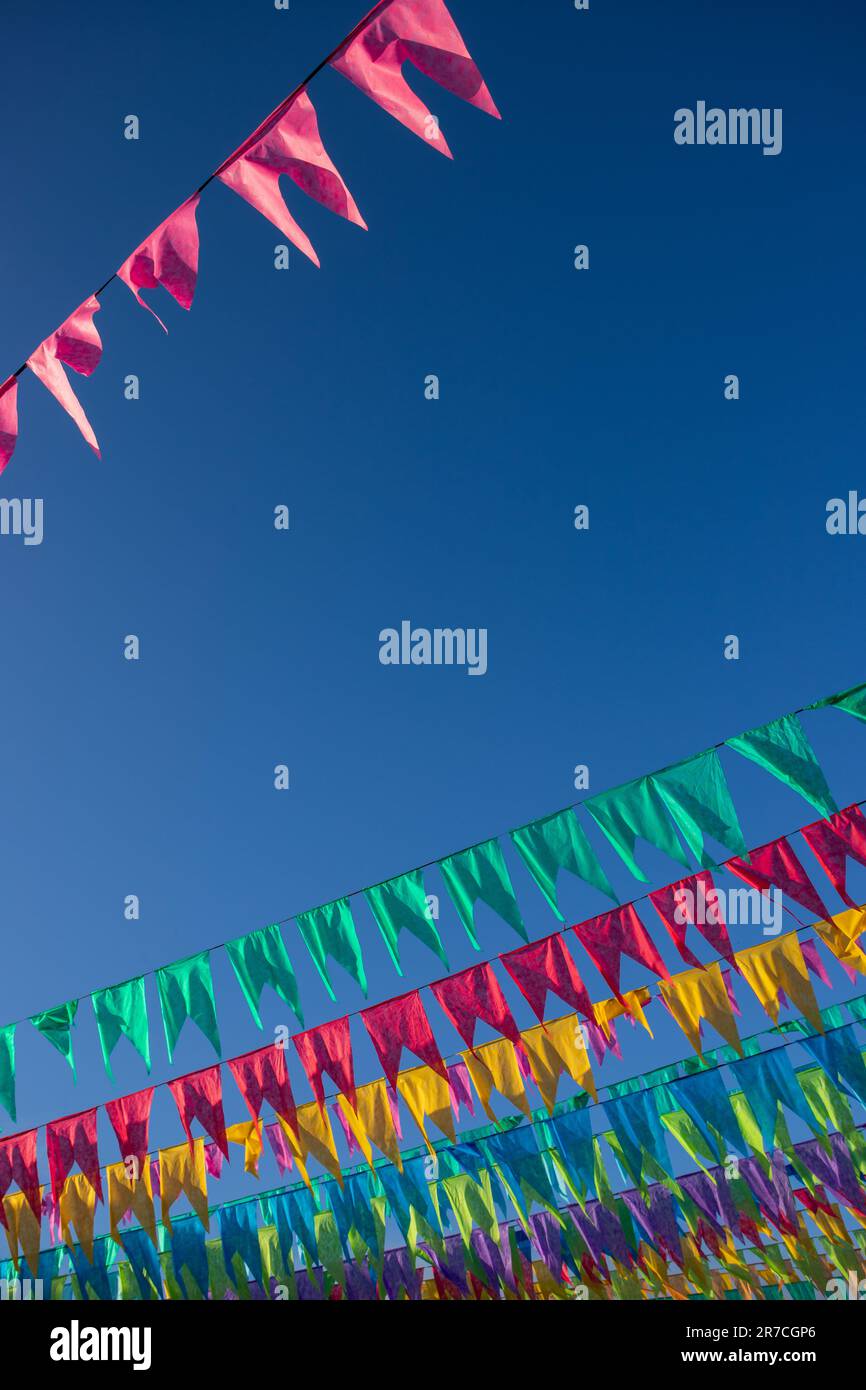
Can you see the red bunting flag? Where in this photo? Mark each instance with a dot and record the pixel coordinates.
(169, 257)
(77, 343)
(777, 866)
(472, 995)
(8, 419)
(423, 33)
(70, 1141)
(328, 1049)
(18, 1164)
(130, 1120)
(833, 840)
(199, 1096)
(263, 1076)
(400, 1023)
(694, 902)
(547, 966)
(611, 936)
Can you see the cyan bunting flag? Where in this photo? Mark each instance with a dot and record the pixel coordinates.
(186, 991)
(330, 931)
(696, 794)
(782, 748)
(144, 1262)
(852, 701)
(560, 842)
(767, 1081)
(261, 959)
(56, 1025)
(189, 1252)
(401, 905)
(121, 1011)
(7, 1069)
(839, 1054)
(635, 1122)
(704, 1098)
(572, 1136)
(631, 812)
(481, 875)
(240, 1236)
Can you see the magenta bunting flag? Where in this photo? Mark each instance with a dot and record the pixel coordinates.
(199, 1096)
(547, 966)
(70, 1141)
(169, 257)
(328, 1049)
(694, 902)
(130, 1120)
(8, 419)
(423, 33)
(292, 146)
(263, 1076)
(472, 995)
(832, 841)
(18, 1164)
(777, 866)
(460, 1088)
(611, 936)
(77, 344)
(280, 1147)
(400, 1023)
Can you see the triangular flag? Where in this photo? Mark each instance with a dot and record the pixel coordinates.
(121, 1011)
(263, 1076)
(609, 937)
(426, 1093)
(701, 994)
(481, 875)
(544, 966)
(8, 419)
(696, 794)
(833, 840)
(7, 1069)
(852, 701)
(18, 1164)
(182, 1170)
(260, 959)
(328, 1049)
(401, 905)
(77, 1209)
(56, 1025)
(70, 1141)
(494, 1067)
(130, 1120)
(776, 865)
(554, 1048)
(782, 748)
(631, 812)
(372, 1121)
(77, 343)
(127, 1194)
(199, 1096)
(767, 1081)
(330, 931)
(695, 902)
(560, 842)
(475, 994)
(186, 991)
(779, 965)
(400, 1023)
(169, 257)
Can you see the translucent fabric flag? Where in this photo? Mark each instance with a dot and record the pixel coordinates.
(631, 812)
(263, 1076)
(121, 1011)
(199, 1096)
(240, 1237)
(427, 1095)
(330, 931)
(852, 701)
(182, 1170)
(546, 966)
(572, 1136)
(77, 344)
(7, 1069)
(832, 841)
(328, 1049)
(637, 1125)
(767, 1080)
(169, 257)
(186, 991)
(481, 875)
(778, 966)
(371, 1121)
(516, 1155)
(606, 939)
(839, 1055)
(398, 1024)
(697, 996)
(70, 1141)
(777, 866)
(560, 842)
(130, 1119)
(24, 1230)
(56, 1025)
(783, 749)
(291, 146)
(8, 419)
(475, 994)
(423, 33)
(260, 959)
(77, 1210)
(704, 1098)
(694, 902)
(697, 797)
(554, 1048)
(494, 1067)
(189, 1256)
(18, 1164)
(126, 1195)
(401, 905)
(314, 1139)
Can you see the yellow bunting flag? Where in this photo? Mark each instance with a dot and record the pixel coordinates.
(183, 1172)
(631, 1003)
(779, 965)
(428, 1094)
(128, 1194)
(554, 1048)
(314, 1138)
(840, 935)
(696, 995)
(249, 1135)
(23, 1230)
(372, 1122)
(77, 1208)
(494, 1067)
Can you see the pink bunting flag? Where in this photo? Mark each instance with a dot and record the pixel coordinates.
(472, 995)
(280, 1147)
(70, 1141)
(18, 1164)
(694, 902)
(777, 866)
(612, 935)
(545, 966)
(814, 962)
(169, 257)
(291, 146)
(77, 344)
(8, 419)
(213, 1161)
(460, 1088)
(130, 1120)
(199, 1096)
(423, 33)
(263, 1076)
(400, 1023)
(328, 1049)
(833, 841)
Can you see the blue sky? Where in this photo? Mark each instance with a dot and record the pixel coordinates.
(306, 388)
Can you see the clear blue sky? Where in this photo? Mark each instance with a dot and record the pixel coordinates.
(306, 388)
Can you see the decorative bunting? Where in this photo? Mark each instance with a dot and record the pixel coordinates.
(126, 1194)
(481, 875)
(400, 1023)
(371, 1121)
(401, 905)
(77, 344)
(494, 1067)
(199, 1096)
(783, 749)
(777, 865)
(427, 1094)
(697, 996)
(328, 1049)
(776, 966)
(18, 1164)
(852, 701)
(122, 1012)
(77, 1210)
(8, 419)
(768, 1082)
(833, 840)
(130, 1120)
(182, 1170)
(330, 931)
(560, 842)
(56, 1025)
(635, 810)
(69, 1141)
(261, 959)
(7, 1069)
(547, 966)
(186, 991)
(613, 935)
(169, 257)
(696, 902)
(697, 797)
(554, 1048)
(263, 1076)
(472, 995)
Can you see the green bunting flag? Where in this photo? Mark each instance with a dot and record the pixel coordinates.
(696, 794)
(401, 905)
(481, 875)
(635, 810)
(560, 842)
(261, 959)
(7, 1069)
(121, 1011)
(56, 1025)
(852, 701)
(330, 931)
(783, 749)
(186, 991)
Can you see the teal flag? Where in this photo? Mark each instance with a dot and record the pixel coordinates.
(121, 1011)
(330, 931)
(481, 875)
(56, 1025)
(782, 748)
(697, 797)
(636, 810)
(7, 1069)
(852, 701)
(401, 905)
(186, 991)
(260, 959)
(560, 842)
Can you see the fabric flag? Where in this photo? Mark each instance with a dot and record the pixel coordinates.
(767, 1081)
(609, 937)
(7, 1069)
(427, 1094)
(839, 1054)
(189, 1253)
(18, 1164)
(126, 1194)
(24, 1230)
(560, 842)
(8, 419)
(481, 875)
(130, 1119)
(494, 1067)
(328, 1049)
(121, 1011)
(400, 1023)
(240, 1236)
(77, 344)
(69, 1141)
(852, 701)
(186, 991)
(144, 1261)
(475, 994)
(698, 995)
(697, 797)
(77, 1209)
(554, 1048)
(461, 1090)
(572, 1136)
(371, 1121)
(169, 257)
(182, 1170)
(777, 865)
(199, 1096)
(401, 905)
(778, 966)
(635, 810)
(695, 902)
(835, 1169)
(330, 931)
(423, 33)
(263, 1076)
(292, 146)
(261, 959)
(544, 966)
(516, 1155)
(783, 749)
(56, 1025)
(315, 1138)
(280, 1148)
(704, 1098)
(636, 1123)
(833, 840)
